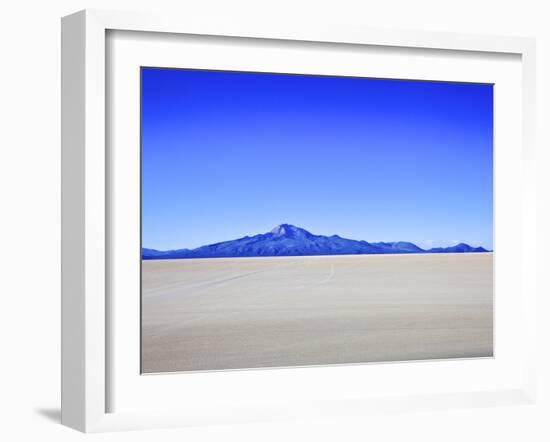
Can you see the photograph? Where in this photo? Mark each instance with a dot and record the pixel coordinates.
(292, 220)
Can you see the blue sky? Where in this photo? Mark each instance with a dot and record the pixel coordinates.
(229, 154)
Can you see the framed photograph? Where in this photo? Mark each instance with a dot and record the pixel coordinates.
(266, 222)
(225, 154)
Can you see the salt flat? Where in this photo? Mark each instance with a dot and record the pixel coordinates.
(208, 314)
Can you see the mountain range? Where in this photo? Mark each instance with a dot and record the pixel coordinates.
(289, 240)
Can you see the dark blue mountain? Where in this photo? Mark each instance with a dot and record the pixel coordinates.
(399, 247)
(289, 240)
(459, 248)
(154, 254)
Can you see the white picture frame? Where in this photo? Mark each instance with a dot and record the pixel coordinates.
(86, 316)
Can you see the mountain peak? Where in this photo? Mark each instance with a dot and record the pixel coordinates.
(283, 229)
(288, 230)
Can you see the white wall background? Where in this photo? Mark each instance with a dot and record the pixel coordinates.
(30, 219)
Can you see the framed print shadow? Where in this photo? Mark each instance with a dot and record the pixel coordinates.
(294, 220)
(265, 221)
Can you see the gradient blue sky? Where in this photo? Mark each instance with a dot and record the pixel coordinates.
(226, 155)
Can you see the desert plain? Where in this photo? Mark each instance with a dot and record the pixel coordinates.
(232, 313)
